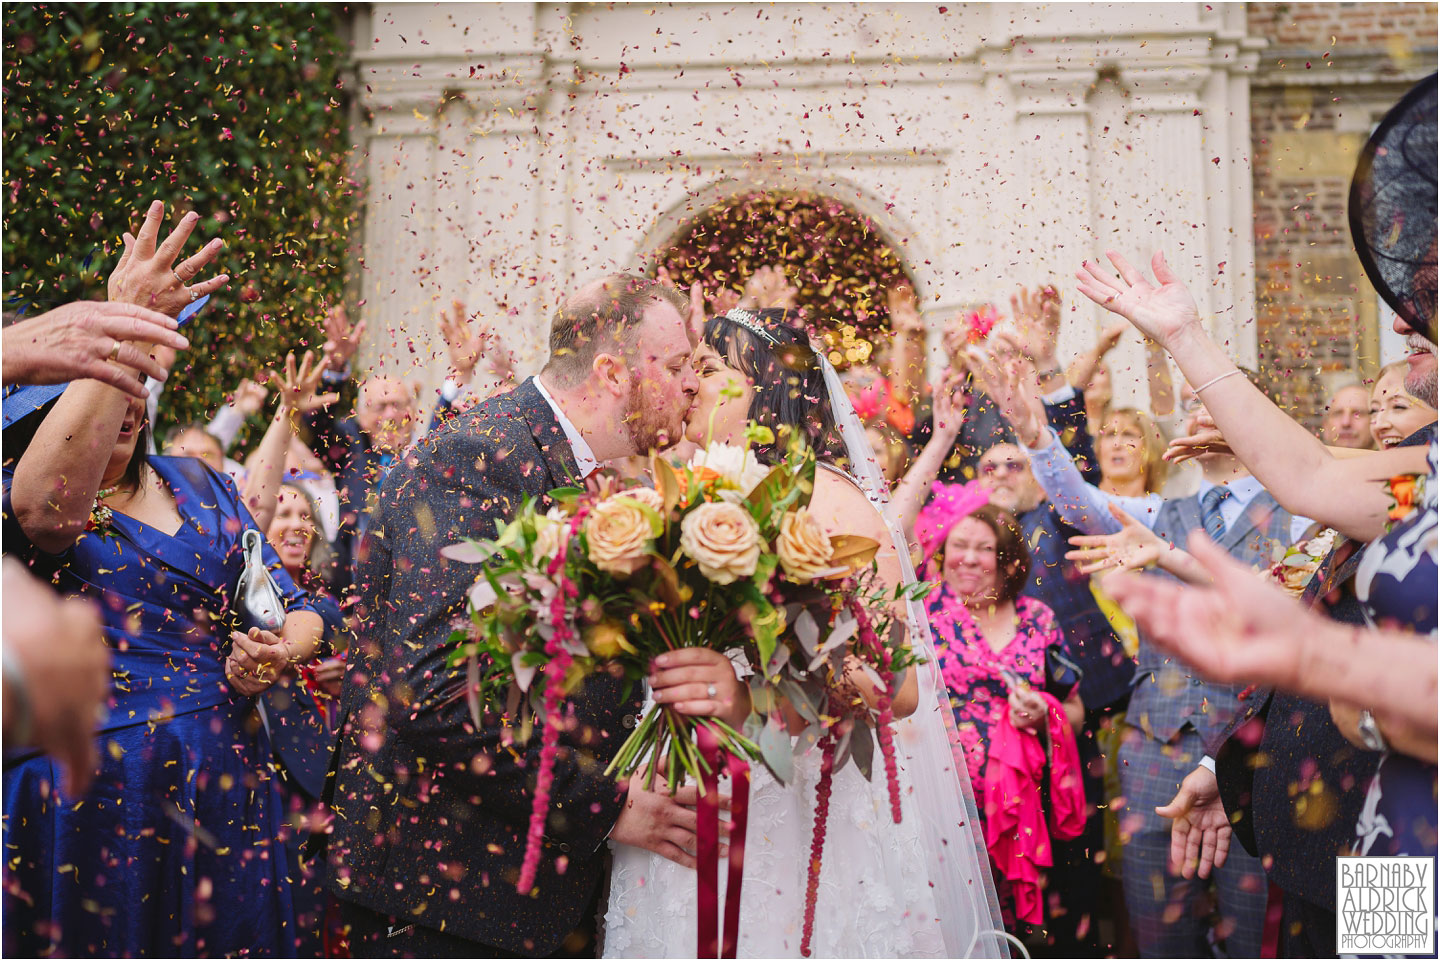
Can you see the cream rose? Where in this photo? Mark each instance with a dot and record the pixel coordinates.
(737, 466)
(803, 547)
(723, 539)
(618, 531)
(551, 530)
(646, 495)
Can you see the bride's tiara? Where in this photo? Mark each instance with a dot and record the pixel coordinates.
(751, 323)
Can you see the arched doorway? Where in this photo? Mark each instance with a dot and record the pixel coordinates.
(837, 258)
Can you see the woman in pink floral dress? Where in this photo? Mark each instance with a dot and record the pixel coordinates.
(1012, 687)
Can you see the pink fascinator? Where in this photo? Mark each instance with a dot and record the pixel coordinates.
(950, 504)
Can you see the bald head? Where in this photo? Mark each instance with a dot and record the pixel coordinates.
(604, 315)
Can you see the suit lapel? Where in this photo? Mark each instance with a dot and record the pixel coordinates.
(556, 455)
(1255, 516)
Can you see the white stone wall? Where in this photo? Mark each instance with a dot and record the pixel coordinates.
(513, 150)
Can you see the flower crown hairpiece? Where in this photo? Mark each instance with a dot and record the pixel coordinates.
(751, 323)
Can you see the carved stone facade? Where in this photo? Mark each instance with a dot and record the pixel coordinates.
(513, 150)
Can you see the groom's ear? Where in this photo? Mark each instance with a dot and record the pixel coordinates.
(611, 373)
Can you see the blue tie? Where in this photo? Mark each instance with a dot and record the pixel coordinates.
(1210, 517)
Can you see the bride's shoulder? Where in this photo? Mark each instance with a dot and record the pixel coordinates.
(839, 498)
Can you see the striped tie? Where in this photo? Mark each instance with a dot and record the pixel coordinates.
(1210, 516)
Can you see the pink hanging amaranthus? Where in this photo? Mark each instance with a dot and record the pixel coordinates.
(885, 713)
(555, 672)
(817, 841)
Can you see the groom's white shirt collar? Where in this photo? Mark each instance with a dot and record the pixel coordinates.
(585, 462)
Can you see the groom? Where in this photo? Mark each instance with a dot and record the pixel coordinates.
(430, 813)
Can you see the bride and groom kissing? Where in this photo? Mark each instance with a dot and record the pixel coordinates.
(430, 813)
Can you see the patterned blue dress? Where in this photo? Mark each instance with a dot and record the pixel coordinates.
(1396, 585)
(173, 852)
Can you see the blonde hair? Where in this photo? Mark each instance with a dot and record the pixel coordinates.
(1153, 446)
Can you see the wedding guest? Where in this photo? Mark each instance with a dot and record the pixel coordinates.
(360, 450)
(1395, 413)
(1172, 714)
(1130, 451)
(302, 713)
(1347, 418)
(161, 856)
(1011, 685)
(192, 440)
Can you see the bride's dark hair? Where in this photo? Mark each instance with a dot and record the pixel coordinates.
(772, 349)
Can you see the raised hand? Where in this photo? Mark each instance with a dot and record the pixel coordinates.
(905, 319)
(249, 397)
(1204, 438)
(1037, 325)
(949, 404)
(147, 274)
(297, 387)
(1010, 384)
(465, 345)
(89, 339)
(1239, 628)
(1161, 313)
(1134, 547)
(1200, 830)
(767, 287)
(342, 338)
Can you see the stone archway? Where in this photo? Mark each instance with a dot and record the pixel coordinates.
(842, 260)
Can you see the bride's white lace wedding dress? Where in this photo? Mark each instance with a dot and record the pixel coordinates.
(874, 899)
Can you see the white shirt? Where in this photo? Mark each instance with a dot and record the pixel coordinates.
(585, 462)
(1243, 490)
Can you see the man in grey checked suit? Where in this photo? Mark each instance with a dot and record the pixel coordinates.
(1172, 712)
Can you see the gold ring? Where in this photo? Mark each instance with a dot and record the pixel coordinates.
(115, 351)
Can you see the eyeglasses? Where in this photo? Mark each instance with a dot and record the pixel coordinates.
(992, 468)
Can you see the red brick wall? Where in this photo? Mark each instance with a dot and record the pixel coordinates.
(1330, 71)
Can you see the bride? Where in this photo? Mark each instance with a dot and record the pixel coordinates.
(914, 889)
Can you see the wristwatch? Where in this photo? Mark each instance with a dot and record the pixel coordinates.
(1370, 734)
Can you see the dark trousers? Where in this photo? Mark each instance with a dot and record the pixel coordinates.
(1306, 930)
(375, 935)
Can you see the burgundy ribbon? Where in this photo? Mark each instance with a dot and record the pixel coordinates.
(707, 846)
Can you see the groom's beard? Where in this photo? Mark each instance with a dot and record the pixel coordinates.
(1421, 385)
(646, 424)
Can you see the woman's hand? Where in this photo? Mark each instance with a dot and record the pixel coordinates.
(1027, 709)
(256, 660)
(1132, 548)
(297, 388)
(948, 405)
(342, 338)
(148, 276)
(1011, 386)
(1161, 313)
(700, 682)
(330, 675)
(1205, 439)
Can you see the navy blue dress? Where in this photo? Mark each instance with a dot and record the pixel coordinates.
(174, 851)
(1395, 583)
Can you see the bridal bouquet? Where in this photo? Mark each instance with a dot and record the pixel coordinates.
(722, 553)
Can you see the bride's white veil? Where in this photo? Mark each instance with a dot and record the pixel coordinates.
(957, 861)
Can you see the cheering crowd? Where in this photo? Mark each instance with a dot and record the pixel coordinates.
(1200, 744)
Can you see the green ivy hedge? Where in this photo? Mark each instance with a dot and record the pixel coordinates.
(232, 110)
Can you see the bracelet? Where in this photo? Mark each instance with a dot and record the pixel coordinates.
(15, 688)
(1215, 380)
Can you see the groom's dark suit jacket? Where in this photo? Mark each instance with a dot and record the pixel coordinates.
(430, 813)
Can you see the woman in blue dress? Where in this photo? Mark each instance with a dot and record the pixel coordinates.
(173, 849)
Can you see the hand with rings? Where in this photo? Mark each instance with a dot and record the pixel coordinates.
(699, 682)
(89, 339)
(256, 660)
(147, 274)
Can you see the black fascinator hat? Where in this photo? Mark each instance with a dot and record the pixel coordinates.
(1392, 208)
